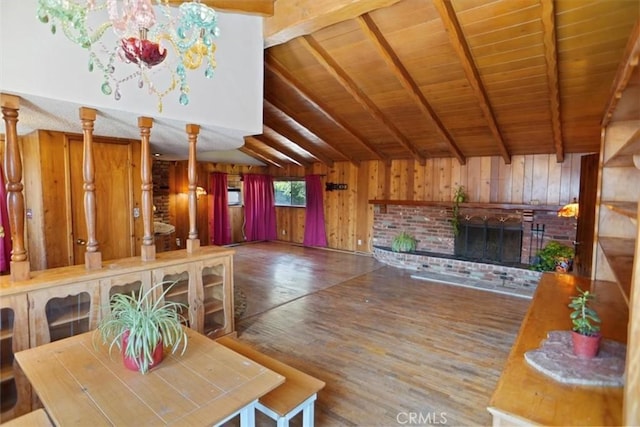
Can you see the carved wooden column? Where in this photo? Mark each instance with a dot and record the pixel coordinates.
(148, 250)
(20, 268)
(193, 243)
(92, 257)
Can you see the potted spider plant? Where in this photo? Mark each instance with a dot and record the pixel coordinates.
(585, 334)
(403, 242)
(141, 326)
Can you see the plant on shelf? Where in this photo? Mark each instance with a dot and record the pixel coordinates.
(141, 326)
(553, 257)
(458, 197)
(403, 242)
(586, 329)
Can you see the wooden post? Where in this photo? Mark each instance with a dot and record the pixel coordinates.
(148, 250)
(20, 268)
(193, 243)
(92, 257)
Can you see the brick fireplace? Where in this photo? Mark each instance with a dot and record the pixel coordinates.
(431, 225)
(531, 228)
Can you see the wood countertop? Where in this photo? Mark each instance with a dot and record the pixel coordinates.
(43, 279)
(525, 396)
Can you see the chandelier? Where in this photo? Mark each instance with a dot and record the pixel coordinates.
(154, 51)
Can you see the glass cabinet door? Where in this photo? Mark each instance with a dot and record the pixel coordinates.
(123, 284)
(213, 300)
(68, 316)
(8, 389)
(14, 336)
(61, 312)
(177, 283)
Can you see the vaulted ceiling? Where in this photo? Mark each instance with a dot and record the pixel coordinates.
(415, 79)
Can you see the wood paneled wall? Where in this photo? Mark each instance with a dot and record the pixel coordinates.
(348, 214)
(178, 207)
(47, 172)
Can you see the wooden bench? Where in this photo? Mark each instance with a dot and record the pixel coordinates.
(297, 393)
(37, 418)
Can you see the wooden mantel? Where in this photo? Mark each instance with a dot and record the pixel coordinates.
(472, 205)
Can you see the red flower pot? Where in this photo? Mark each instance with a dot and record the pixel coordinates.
(132, 362)
(585, 346)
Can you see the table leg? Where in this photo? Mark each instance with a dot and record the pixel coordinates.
(248, 415)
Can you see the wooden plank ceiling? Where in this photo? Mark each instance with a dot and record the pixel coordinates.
(414, 79)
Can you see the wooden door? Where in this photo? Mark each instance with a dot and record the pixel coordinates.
(586, 218)
(113, 200)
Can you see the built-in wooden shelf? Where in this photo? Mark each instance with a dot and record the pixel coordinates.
(6, 373)
(628, 209)
(624, 156)
(213, 305)
(212, 280)
(512, 206)
(619, 253)
(6, 333)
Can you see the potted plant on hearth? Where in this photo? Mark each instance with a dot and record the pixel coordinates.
(141, 326)
(585, 334)
(554, 257)
(404, 242)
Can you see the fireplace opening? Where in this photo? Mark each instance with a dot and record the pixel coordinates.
(490, 240)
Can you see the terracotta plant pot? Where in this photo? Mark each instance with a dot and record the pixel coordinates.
(131, 363)
(585, 346)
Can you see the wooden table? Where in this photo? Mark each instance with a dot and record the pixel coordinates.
(80, 384)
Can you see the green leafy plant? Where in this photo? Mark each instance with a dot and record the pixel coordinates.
(552, 255)
(458, 197)
(403, 242)
(585, 319)
(146, 321)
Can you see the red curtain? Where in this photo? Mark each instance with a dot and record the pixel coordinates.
(219, 227)
(259, 208)
(5, 242)
(314, 232)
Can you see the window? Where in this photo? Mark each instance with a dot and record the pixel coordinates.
(289, 192)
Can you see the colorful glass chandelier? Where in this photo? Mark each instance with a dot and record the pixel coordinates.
(159, 52)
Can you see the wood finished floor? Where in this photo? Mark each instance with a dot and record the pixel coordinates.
(385, 344)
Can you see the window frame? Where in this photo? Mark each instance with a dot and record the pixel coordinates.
(290, 181)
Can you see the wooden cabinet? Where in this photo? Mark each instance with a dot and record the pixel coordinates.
(202, 287)
(61, 302)
(14, 336)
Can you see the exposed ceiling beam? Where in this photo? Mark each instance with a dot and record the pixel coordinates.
(259, 155)
(283, 74)
(551, 56)
(276, 145)
(323, 57)
(372, 31)
(458, 41)
(294, 18)
(292, 114)
(293, 136)
(253, 7)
